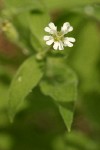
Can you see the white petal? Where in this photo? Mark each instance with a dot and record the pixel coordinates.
(71, 39)
(70, 29)
(70, 44)
(66, 28)
(50, 42)
(61, 45)
(52, 26)
(65, 25)
(67, 41)
(46, 38)
(47, 29)
(55, 46)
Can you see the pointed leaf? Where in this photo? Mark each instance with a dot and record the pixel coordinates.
(67, 112)
(60, 83)
(27, 77)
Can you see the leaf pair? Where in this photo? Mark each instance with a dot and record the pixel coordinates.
(56, 81)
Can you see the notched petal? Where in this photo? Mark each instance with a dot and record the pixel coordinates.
(71, 39)
(46, 38)
(50, 42)
(66, 28)
(52, 26)
(47, 29)
(61, 46)
(55, 46)
(68, 40)
(70, 29)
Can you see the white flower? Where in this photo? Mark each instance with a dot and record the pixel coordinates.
(57, 37)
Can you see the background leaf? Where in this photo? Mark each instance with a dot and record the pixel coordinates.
(64, 4)
(37, 22)
(85, 56)
(75, 141)
(23, 5)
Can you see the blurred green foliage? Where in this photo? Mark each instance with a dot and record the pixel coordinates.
(44, 94)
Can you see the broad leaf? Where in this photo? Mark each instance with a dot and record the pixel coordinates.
(60, 83)
(27, 77)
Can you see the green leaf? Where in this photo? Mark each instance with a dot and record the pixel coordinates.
(37, 22)
(60, 83)
(63, 4)
(21, 23)
(27, 77)
(22, 5)
(84, 57)
(35, 43)
(91, 11)
(67, 111)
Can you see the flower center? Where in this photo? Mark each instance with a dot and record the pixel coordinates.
(58, 36)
